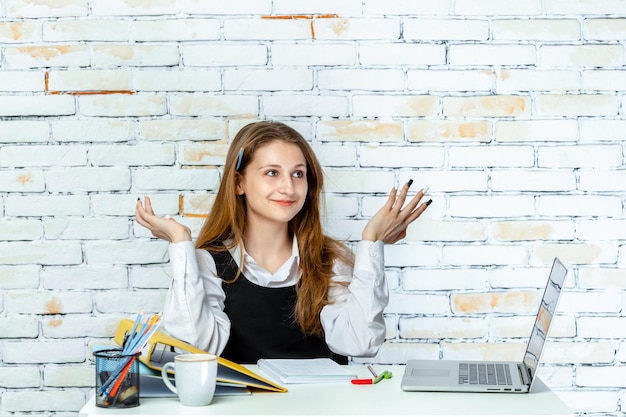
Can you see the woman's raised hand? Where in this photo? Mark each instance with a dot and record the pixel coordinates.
(389, 224)
(163, 228)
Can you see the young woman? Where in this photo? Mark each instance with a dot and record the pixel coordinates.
(263, 280)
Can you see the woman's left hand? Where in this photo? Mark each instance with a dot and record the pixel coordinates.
(389, 224)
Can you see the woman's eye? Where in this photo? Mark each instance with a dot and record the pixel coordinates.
(298, 174)
(271, 173)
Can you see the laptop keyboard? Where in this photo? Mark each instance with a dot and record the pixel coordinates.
(485, 374)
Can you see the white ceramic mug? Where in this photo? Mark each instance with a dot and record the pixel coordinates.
(195, 375)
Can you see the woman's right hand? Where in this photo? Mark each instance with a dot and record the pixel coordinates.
(163, 228)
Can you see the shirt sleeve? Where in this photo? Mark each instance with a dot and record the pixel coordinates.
(194, 304)
(353, 323)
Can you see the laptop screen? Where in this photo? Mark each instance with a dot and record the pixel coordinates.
(547, 309)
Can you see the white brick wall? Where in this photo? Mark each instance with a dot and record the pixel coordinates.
(513, 113)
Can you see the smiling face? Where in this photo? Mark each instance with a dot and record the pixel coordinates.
(274, 183)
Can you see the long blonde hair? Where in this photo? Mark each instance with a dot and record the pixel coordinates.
(318, 252)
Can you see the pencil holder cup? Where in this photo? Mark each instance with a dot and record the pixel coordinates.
(117, 379)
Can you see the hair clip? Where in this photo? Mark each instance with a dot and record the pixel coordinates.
(239, 159)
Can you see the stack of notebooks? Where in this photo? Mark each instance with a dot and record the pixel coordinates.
(305, 371)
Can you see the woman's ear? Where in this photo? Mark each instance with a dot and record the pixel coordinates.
(239, 186)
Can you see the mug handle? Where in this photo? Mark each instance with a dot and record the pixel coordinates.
(166, 379)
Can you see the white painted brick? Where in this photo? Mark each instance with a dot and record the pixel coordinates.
(123, 8)
(576, 105)
(77, 325)
(387, 54)
(579, 205)
(124, 204)
(202, 153)
(601, 327)
(518, 277)
(401, 156)
(604, 29)
(91, 80)
(119, 253)
(602, 130)
(357, 29)
(511, 230)
(159, 276)
(185, 80)
(22, 181)
(181, 129)
(483, 255)
(336, 155)
(590, 302)
(536, 130)
(264, 79)
(46, 205)
(32, 352)
(533, 180)
(417, 304)
(347, 181)
(146, 179)
(224, 54)
(487, 106)
(139, 55)
(444, 279)
(445, 29)
(340, 206)
(442, 328)
(305, 105)
(360, 131)
(19, 32)
(587, 156)
(581, 55)
(122, 105)
(85, 228)
(507, 326)
(500, 156)
(476, 54)
(603, 80)
(68, 376)
(449, 130)
(233, 7)
(88, 179)
(20, 229)
(345, 230)
(491, 206)
(214, 105)
(446, 231)
(81, 278)
(450, 80)
(22, 8)
(23, 131)
(86, 30)
(49, 401)
(495, 8)
(47, 56)
(568, 352)
(28, 302)
(37, 105)
(267, 29)
(535, 29)
(42, 155)
(20, 377)
(40, 253)
(18, 326)
(357, 79)
(601, 278)
(574, 253)
(600, 229)
(403, 255)
(318, 53)
(130, 301)
(602, 180)
(140, 154)
(513, 80)
(14, 276)
(298, 7)
(556, 377)
(174, 29)
(92, 130)
(14, 81)
(394, 105)
(585, 7)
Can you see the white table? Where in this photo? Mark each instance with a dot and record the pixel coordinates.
(344, 398)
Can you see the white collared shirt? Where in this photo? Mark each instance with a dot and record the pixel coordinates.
(353, 322)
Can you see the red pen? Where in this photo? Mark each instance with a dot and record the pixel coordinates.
(362, 381)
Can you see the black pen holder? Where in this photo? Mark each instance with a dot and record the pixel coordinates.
(117, 379)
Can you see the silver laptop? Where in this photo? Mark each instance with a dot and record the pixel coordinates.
(489, 376)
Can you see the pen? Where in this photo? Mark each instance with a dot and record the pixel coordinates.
(372, 370)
